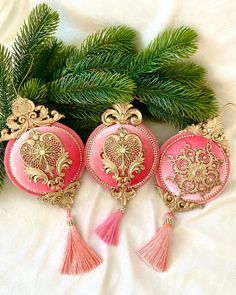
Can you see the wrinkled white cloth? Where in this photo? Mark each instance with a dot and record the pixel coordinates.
(202, 256)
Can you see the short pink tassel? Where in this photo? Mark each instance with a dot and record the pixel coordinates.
(78, 257)
(109, 228)
(155, 252)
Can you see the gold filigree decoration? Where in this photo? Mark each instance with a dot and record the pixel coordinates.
(25, 115)
(64, 198)
(213, 129)
(122, 114)
(45, 159)
(196, 170)
(123, 156)
(177, 204)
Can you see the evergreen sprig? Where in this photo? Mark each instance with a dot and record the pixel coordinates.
(41, 25)
(111, 39)
(111, 61)
(176, 102)
(91, 89)
(170, 45)
(36, 90)
(181, 70)
(7, 94)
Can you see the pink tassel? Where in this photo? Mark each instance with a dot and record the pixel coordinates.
(155, 252)
(78, 257)
(109, 228)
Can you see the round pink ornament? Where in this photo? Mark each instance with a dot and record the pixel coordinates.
(46, 159)
(121, 155)
(193, 169)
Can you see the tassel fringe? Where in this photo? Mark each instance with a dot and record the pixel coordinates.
(108, 230)
(78, 257)
(155, 252)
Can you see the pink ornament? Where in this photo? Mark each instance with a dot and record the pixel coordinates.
(121, 155)
(46, 159)
(65, 146)
(193, 169)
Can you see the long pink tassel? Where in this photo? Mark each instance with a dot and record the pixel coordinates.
(155, 252)
(78, 257)
(108, 230)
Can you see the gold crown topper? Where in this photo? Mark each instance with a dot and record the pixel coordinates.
(212, 129)
(25, 115)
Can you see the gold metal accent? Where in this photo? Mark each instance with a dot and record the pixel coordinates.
(64, 198)
(177, 204)
(70, 222)
(25, 115)
(169, 220)
(212, 129)
(122, 114)
(196, 170)
(123, 156)
(45, 159)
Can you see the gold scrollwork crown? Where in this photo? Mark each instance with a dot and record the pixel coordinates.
(122, 114)
(25, 115)
(212, 129)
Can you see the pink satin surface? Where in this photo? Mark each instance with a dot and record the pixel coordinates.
(15, 167)
(94, 147)
(173, 147)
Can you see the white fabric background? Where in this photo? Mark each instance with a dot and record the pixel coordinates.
(202, 255)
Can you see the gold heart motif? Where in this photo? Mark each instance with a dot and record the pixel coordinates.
(45, 159)
(123, 156)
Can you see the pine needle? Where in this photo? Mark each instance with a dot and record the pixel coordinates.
(7, 94)
(170, 45)
(91, 89)
(40, 25)
(35, 90)
(111, 39)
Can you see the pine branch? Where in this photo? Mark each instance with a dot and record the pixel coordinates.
(35, 90)
(60, 61)
(176, 102)
(179, 70)
(91, 89)
(7, 94)
(51, 61)
(48, 60)
(41, 25)
(111, 39)
(168, 46)
(111, 61)
(2, 169)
